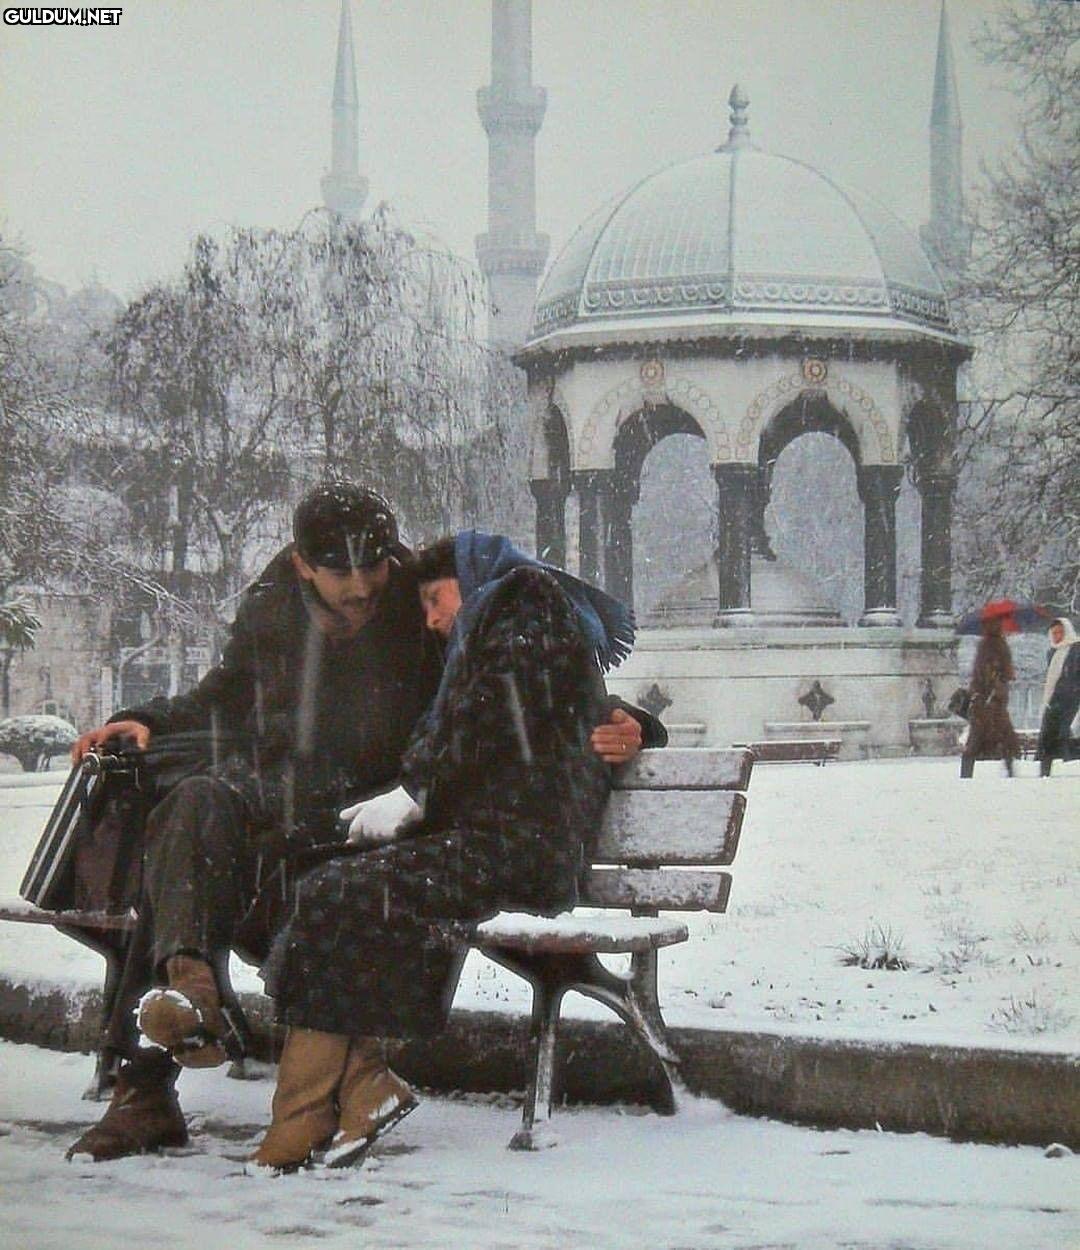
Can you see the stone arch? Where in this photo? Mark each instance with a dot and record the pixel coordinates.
(655, 387)
(643, 429)
(809, 412)
(870, 427)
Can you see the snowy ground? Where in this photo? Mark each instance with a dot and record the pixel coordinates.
(972, 884)
(975, 878)
(445, 1181)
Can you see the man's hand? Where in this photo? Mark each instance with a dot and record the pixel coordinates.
(133, 729)
(619, 740)
(381, 818)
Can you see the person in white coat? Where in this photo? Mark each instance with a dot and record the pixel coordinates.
(1061, 696)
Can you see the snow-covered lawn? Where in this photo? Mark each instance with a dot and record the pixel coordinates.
(445, 1181)
(971, 884)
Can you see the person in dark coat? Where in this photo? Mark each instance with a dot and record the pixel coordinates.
(505, 799)
(991, 734)
(325, 672)
(1061, 695)
(327, 669)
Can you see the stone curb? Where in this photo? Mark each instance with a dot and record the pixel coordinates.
(1001, 1096)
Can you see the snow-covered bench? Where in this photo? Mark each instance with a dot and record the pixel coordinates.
(794, 750)
(670, 829)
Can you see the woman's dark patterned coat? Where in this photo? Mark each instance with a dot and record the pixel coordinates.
(513, 795)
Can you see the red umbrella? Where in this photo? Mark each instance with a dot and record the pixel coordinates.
(1015, 617)
(1003, 610)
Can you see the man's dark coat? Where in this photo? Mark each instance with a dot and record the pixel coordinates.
(303, 719)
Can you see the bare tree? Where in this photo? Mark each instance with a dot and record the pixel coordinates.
(390, 380)
(1020, 489)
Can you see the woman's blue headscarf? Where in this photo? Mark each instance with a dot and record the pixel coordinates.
(482, 559)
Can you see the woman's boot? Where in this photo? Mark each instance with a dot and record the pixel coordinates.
(372, 1098)
(305, 1101)
(967, 766)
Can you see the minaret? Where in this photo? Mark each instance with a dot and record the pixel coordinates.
(946, 235)
(343, 189)
(511, 253)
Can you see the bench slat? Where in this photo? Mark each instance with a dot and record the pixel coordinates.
(689, 768)
(671, 827)
(656, 887)
(27, 913)
(571, 934)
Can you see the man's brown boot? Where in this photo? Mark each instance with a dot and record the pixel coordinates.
(143, 1115)
(305, 1104)
(373, 1098)
(186, 1018)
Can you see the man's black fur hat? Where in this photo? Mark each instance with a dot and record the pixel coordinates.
(341, 526)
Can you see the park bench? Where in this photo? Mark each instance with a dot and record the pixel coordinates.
(794, 750)
(670, 830)
(47, 890)
(1029, 742)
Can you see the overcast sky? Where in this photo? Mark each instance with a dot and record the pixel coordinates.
(119, 143)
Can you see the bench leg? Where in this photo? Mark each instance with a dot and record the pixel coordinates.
(107, 1061)
(547, 1002)
(634, 999)
(114, 950)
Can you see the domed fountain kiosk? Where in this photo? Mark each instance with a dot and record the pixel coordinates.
(748, 299)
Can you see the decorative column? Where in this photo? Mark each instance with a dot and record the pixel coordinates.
(617, 493)
(737, 497)
(588, 485)
(550, 495)
(935, 582)
(879, 485)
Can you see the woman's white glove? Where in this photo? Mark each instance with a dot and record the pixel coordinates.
(379, 819)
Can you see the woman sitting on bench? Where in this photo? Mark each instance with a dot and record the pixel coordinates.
(503, 794)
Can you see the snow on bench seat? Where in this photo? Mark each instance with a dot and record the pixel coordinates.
(22, 912)
(572, 934)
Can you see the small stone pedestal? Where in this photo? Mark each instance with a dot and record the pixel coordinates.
(935, 735)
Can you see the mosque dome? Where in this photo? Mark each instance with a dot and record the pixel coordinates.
(740, 237)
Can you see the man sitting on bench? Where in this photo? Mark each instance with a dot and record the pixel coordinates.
(326, 670)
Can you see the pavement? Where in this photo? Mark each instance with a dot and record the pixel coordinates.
(614, 1180)
(966, 1093)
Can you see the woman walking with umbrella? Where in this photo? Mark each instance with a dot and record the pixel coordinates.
(992, 735)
